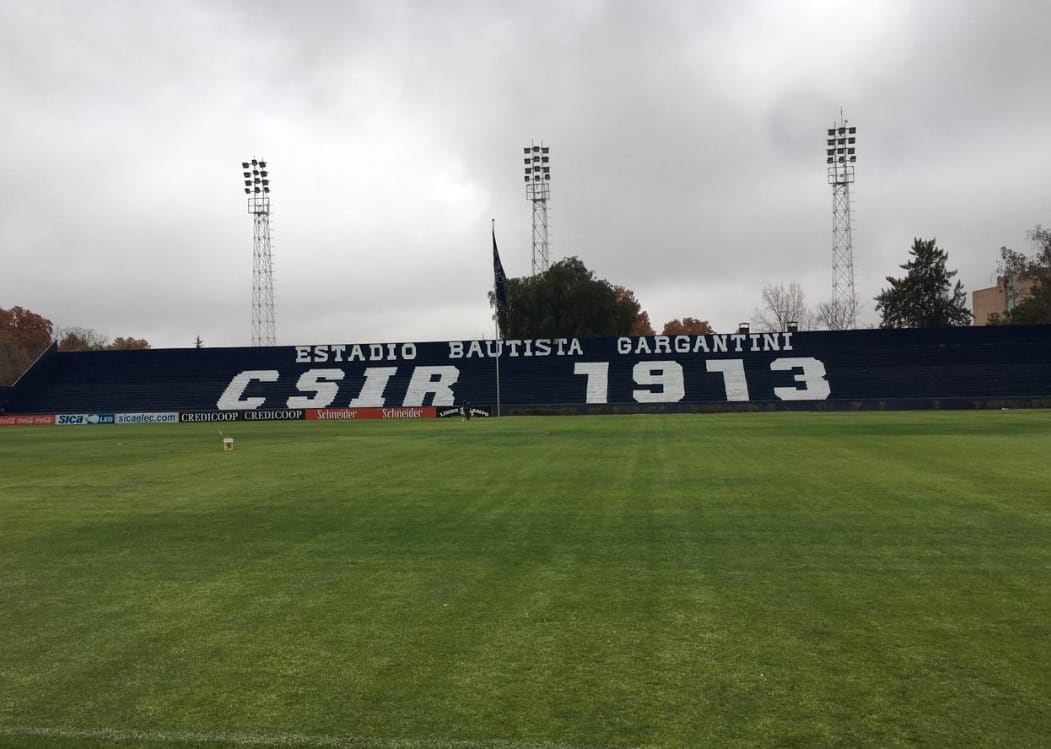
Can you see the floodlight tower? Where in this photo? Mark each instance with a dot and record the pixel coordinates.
(257, 188)
(840, 157)
(538, 190)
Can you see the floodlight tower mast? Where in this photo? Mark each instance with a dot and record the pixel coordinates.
(257, 188)
(538, 190)
(840, 157)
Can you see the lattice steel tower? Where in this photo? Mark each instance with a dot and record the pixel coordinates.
(257, 188)
(538, 190)
(840, 157)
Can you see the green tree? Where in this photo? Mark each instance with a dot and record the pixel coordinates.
(1033, 308)
(925, 296)
(565, 301)
(24, 336)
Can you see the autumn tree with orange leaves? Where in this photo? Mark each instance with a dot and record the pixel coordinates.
(687, 326)
(80, 339)
(24, 336)
(626, 300)
(87, 339)
(128, 344)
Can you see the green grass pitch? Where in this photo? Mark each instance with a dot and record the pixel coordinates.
(731, 580)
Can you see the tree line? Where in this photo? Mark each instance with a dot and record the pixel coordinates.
(568, 300)
(926, 296)
(1015, 266)
(25, 335)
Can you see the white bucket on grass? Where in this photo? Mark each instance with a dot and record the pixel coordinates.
(228, 443)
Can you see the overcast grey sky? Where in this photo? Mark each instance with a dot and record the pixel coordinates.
(687, 145)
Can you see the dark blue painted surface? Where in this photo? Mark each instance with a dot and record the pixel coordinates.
(951, 367)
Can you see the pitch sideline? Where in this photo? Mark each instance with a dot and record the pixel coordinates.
(277, 739)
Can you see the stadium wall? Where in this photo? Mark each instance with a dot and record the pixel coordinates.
(975, 367)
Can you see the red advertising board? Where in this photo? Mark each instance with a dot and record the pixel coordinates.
(348, 414)
(26, 420)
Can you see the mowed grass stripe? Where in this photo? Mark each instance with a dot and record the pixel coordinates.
(731, 580)
(87, 738)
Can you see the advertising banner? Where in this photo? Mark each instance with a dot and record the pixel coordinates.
(26, 420)
(78, 419)
(266, 414)
(330, 414)
(148, 418)
(450, 412)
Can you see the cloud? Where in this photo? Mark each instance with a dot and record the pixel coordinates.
(685, 139)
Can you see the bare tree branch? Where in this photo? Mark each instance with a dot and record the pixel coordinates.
(782, 306)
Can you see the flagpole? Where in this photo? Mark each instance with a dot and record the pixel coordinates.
(496, 327)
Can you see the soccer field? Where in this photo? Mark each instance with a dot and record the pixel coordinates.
(730, 580)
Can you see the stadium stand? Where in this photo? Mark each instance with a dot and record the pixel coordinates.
(969, 367)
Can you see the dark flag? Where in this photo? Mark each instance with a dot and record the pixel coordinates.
(499, 277)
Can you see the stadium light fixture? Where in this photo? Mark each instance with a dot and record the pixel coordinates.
(257, 191)
(537, 164)
(840, 158)
(537, 178)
